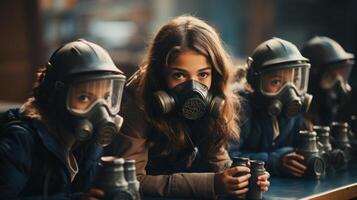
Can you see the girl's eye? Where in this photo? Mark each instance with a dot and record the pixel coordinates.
(83, 98)
(203, 74)
(107, 97)
(276, 82)
(178, 75)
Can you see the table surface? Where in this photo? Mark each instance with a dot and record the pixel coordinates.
(297, 188)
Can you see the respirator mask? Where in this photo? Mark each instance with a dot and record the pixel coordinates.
(285, 90)
(191, 99)
(334, 81)
(93, 104)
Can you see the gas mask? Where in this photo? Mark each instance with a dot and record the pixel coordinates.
(334, 82)
(191, 99)
(92, 106)
(285, 90)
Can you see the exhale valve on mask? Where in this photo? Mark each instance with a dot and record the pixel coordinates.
(288, 102)
(93, 106)
(191, 98)
(334, 84)
(285, 88)
(99, 121)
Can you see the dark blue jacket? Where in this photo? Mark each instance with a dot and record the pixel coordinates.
(256, 139)
(33, 165)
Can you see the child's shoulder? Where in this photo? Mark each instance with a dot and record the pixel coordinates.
(245, 111)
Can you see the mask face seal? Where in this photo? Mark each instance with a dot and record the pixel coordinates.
(93, 105)
(336, 77)
(191, 99)
(285, 89)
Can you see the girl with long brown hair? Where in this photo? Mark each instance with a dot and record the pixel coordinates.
(179, 111)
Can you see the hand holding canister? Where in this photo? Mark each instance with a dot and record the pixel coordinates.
(256, 169)
(312, 159)
(239, 162)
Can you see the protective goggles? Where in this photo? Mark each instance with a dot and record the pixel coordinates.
(334, 73)
(84, 95)
(275, 80)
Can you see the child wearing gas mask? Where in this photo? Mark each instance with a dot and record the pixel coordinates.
(179, 112)
(50, 147)
(330, 69)
(271, 115)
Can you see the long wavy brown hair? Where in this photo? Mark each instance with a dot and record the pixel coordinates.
(38, 105)
(42, 104)
(180, 34)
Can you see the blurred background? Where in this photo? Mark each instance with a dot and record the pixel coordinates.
(32, 29)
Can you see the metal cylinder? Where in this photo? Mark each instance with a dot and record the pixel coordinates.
(111, 179)
(256, 169)
(308, 143)
(323, 135)
(353, 134)
(353, 125)
(335, 157)
(239, 162)
(339, 131)
(130, 176)
(313, 161)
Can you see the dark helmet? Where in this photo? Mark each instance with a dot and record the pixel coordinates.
(273, 53)
(82, 67)
(331, 68)
(324, 51)
(325, 55)
(70, 60)
(277, 56)
(80, 57)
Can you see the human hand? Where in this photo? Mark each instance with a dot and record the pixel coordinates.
(226, 183)
(93, 194)
(291, 163)
(263, 182)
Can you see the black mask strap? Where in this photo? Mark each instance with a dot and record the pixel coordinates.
(195, 151)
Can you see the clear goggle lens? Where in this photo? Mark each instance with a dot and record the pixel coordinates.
(339, 72)
(83, 96)
(273, 81)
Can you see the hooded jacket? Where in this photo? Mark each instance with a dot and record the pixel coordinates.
(33, 164)
(256, 140)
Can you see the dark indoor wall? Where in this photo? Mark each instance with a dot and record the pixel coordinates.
(20, 52)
